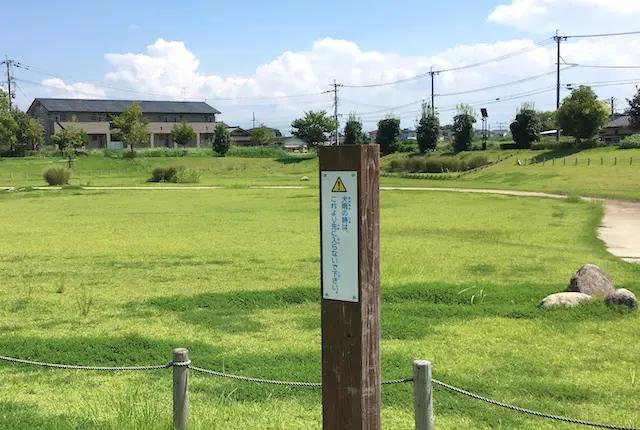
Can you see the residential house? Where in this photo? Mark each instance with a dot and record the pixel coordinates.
(239, 136)
(294, 144)
(406, 134)
(618, 128)
(373, 134)
(95, 117)
(274, 131)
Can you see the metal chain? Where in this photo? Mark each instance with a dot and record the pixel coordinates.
(263, 381)
(78, 367)
(272, 381)
(529, 411)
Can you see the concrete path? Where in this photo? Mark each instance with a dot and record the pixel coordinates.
(620, 228)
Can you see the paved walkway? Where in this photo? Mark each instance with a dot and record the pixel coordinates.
(620, 228)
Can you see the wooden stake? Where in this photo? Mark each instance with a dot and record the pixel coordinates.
(350, 297)
(422, 395)
(180, 389)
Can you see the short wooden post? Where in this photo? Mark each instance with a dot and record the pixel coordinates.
(544, 160)
(576, 161)
(422, 395)
(601, 161)
(553, 161)
(615, 161)
(630, 161)
(564, 161)
(350, 268)
(589, 161)
(181, 362)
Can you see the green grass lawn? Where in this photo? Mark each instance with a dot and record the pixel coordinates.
(233, 275)
(616, 177)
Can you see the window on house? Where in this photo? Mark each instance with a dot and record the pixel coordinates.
(94, 117)
(94, 137)
(64, 117)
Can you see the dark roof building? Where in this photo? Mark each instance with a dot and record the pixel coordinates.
(95, 117)
(618, 128)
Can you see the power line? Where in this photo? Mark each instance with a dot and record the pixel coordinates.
(593, 66)
(468, 66)
(626, 33)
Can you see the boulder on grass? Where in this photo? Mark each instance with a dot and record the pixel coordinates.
(304, 178)
(564, 300)
(592, 280)
(622, 297)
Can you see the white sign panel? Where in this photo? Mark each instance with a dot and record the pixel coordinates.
(339, 194)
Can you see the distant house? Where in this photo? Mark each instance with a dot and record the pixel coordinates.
(407, 134)
(293, 144)
(274, 131)
(373, 134)
(95, 117)
(239, 136)
(618, 128)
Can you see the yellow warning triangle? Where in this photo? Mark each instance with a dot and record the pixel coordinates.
(338, 187)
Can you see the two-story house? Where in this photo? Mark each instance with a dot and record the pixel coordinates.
(95, 117)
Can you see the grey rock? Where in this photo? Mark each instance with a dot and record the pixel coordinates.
(622, 297)
(592, 280)
(564, 300)
(304, 178)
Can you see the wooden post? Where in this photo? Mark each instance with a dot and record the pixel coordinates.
(180, 388)
(350, 268)
(576, 161)
(422, 395)
(615, 161)
(601, 161)
(544, 160)
(564, 161)
(589, 161)
(553, 161)
(630, 161)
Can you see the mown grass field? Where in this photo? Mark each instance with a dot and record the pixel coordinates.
(601, 172)
(233, 275)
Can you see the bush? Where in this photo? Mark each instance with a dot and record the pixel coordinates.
(129, 155)
(435, 164)
(164, 174)
(175, 174)
(256, 152)
(630, 142)
(112, 153)
(57, 175)
(187, 176)
(408, 146)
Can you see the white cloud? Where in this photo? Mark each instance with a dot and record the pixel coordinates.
(169, 70)
(78, 90)
(543, 16)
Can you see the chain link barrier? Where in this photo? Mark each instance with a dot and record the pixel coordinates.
(528, 411)
(310, 384)
(79, 367)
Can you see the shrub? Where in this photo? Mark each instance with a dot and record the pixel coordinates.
(476, 161)
(57, 175)
(187, 176)
(630, 142)
(175, 174)
(112, 153)
(408, 146)
(129, 155)
(164, 174)
(433, 164)
(256, 152)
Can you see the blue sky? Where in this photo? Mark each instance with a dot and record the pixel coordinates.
(237, 49)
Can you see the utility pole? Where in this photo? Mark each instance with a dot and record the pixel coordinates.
(254, 120)
(433, 97)
(335, 110)
(558, 39)
(613, 106)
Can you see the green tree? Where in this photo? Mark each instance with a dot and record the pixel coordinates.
(182, 133)
(8, 124)
(70, 140)
(387, 136)
(132, 126)
(547, 120)
(525, 129)
(428, 130)
(353, 134)
(581, 114)
(262, 136)
(221, 139)
(634, 110)
(463, 127)
(30, 133)
(314, 128)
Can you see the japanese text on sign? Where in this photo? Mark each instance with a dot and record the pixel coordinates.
(339, 235)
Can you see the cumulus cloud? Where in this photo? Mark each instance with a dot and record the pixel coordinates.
(543, 16)
(293, 82)
(77, 90)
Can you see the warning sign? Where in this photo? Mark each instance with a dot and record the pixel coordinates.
(339, 199)
(338, 187)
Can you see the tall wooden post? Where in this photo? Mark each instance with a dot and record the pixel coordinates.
(350, 242)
